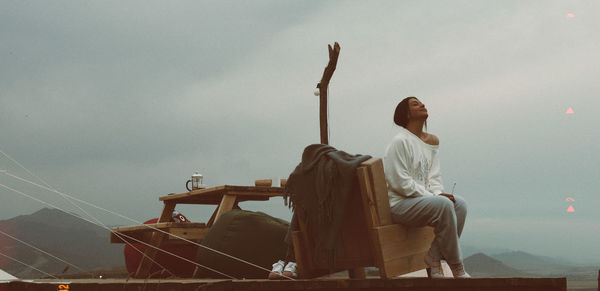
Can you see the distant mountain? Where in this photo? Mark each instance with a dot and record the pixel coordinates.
(545, 266)
(532, 263)
(482, 266)
(469, 250)
(67, 237)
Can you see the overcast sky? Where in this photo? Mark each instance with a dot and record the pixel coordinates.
(119, 103)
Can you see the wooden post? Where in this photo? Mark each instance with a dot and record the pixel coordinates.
(323, 85)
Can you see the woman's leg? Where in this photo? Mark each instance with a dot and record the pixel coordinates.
(438, 212)
(460, 208)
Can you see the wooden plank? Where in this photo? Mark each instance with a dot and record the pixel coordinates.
(377, 178)
(225, 189)
(400, 284)
(194, 234)
(144, 236)
(366, 193)
(211, 221)
(216, 199)
(167, 213)
(399, 241)
(369, 162)
(191, 193)
(226, 204)
(162, 225)
(401, 250)
(403, 265)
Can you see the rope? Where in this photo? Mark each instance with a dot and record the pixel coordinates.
(63, 195)
(138, 222)
(99, 222)
(175, 255)
(30, 266)
(40, 250)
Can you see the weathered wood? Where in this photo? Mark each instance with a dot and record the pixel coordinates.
(191, 231)
(367, 196)
(226, 205)
(194, 234)
(401, 250)
(380, 192)
(211, 221)
(397, 240)
(402, 284)
(323, 86)
(213, 195)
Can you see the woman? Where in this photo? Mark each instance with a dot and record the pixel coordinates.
(415, 190)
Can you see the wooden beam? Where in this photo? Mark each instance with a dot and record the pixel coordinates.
(323, 85)
(226, 205)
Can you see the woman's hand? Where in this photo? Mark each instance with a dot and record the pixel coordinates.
(450, 196)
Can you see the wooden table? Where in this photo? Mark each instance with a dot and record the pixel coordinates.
(226, 198)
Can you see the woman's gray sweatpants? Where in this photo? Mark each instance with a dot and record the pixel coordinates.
(447, 219)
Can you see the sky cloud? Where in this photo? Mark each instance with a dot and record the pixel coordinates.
(119, 104)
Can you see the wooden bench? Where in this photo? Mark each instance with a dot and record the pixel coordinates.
(368, 237)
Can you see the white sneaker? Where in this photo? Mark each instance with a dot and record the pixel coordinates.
(290, 270)
(458, 270)
(434, 268)
(277, 270)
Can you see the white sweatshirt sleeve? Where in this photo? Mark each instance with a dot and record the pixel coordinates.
(435, 176)
(397, 174)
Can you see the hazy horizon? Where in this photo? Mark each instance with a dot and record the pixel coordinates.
(120, 103)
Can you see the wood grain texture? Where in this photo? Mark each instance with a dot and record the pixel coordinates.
(226, 205)
(323, 86)
(143, 232)
(366, 193)
(380, 192)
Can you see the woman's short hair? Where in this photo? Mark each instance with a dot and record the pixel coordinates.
(401, 113)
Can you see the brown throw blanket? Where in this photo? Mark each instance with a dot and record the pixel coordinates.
(319, 187)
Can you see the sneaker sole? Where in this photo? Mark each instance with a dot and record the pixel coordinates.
(290, 275)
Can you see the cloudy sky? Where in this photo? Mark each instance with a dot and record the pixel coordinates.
(119, 103)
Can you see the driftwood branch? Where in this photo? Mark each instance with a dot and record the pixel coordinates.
(323, 85)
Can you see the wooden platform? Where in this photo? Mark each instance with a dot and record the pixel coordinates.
(420, 284)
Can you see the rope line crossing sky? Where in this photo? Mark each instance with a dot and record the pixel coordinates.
(30, 266)
(98, 223)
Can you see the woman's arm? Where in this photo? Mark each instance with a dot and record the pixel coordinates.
(435, 176)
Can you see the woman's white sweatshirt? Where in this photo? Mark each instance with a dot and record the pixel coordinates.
(412, 168)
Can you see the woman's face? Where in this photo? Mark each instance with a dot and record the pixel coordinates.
(416, 109)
